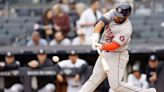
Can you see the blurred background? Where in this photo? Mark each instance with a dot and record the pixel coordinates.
(45, 44)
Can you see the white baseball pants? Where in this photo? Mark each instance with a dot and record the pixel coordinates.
(117, 62)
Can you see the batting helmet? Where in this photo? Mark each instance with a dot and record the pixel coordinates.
(123, 10)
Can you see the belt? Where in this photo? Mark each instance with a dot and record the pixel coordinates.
(74, 86)
(115, 51)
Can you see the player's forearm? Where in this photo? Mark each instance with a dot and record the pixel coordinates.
(110, 46)
(98, 27)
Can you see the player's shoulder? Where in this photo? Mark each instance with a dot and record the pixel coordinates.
(127, 26)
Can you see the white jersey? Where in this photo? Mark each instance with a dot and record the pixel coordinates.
(70, 80)
(119, 33)
(68, 63)
(141, 83)
(88, 16)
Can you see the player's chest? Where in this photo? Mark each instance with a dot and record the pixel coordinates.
(110, 32)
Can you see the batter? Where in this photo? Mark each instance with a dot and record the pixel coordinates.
(114, 44)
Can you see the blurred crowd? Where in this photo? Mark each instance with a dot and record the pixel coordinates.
(68, 23)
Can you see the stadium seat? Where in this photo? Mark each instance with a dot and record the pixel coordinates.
(3, 20)
(148, 34)
(142, 28)
(33, 19)
(155, 40)
(2, 31)
(18, 20)
(138, 41)
(11, 25)
(23, 12)
(36, 11)
(162, 34)
(154, 21)
(135, 20)
(158, 28)
(5, 40)
(16, 32)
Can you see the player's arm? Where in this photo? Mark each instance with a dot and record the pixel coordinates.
(110, 46)
(99, 26)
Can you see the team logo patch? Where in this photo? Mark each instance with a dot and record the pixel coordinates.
(122, 38)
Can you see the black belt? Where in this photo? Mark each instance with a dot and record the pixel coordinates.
(74, 86)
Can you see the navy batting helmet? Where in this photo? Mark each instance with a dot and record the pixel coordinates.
(123, 10)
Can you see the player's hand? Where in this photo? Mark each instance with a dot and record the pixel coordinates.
(33, 64)
(60, 78)
(2, 64)
(98, 45)
(95, 38)
(77, 78)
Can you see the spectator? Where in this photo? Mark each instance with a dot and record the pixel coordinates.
(61, 20)
(73, 12)
(12, 84)
(60, 40)
(151, 70)
(77, 66)
(45, 83)
(81, 39)
(36, 40)
(89, 17)
(137, 78)
(80, 7)
(65, 5)
(44, 26)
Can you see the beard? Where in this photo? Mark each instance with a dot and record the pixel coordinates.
(120, 22)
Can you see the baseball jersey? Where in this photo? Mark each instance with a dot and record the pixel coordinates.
(68, 64)
(88, 16)
(141, 83)
(119, 33)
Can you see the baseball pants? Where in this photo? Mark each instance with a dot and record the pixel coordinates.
(117, 62)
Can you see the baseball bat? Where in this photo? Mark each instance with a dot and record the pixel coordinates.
(103, 61)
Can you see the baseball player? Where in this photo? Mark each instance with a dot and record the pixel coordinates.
(78, 66)
(12, 84)
(114, 44)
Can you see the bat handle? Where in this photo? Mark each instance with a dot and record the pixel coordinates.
(98, 50)
(104, 63)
